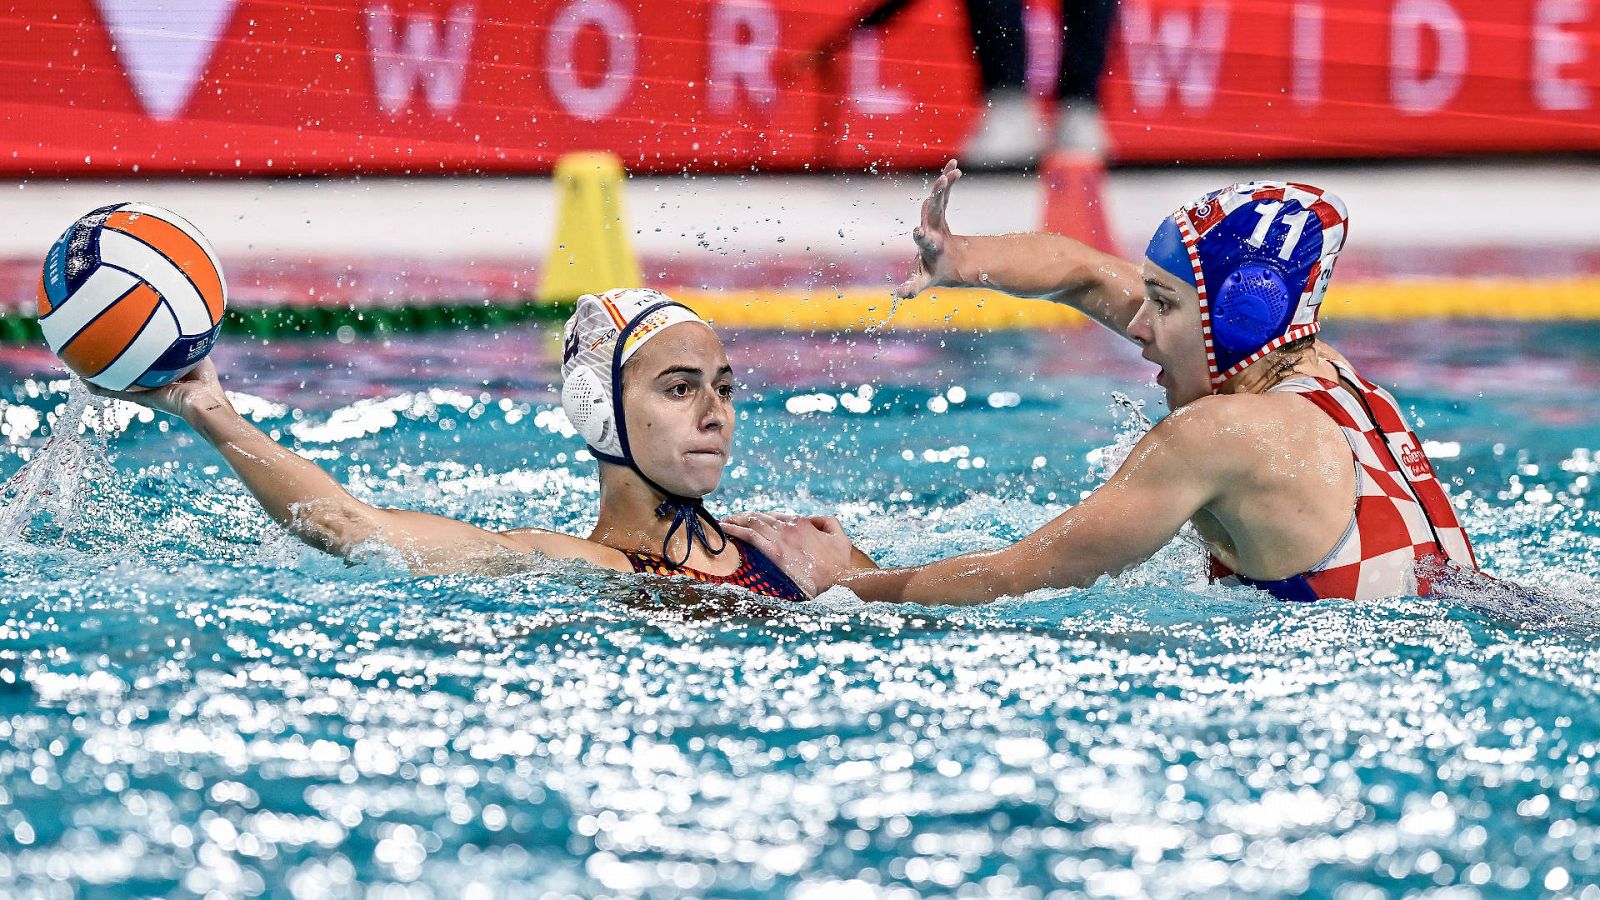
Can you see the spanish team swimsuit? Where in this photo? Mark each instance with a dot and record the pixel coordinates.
(1402, 515)
(756, 573)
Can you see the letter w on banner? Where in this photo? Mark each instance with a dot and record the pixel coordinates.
(1167, 46)
(411, 49)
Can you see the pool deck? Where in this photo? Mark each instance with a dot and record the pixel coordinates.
(1466, 239)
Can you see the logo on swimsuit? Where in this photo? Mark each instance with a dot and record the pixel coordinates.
(1415, 460)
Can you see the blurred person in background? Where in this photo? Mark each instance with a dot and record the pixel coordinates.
(1012, 133)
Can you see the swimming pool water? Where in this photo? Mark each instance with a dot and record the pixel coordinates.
(191, 704)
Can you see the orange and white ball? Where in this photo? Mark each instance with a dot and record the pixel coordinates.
(131, 297)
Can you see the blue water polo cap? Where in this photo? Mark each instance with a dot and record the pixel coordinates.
(1260, 256)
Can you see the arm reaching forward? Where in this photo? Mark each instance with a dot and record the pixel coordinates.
(1172, 473)
(315, 508)
(1036, 264)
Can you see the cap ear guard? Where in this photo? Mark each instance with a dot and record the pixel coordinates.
(587, 402)
(1249, 309)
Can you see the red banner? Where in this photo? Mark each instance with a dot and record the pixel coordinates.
(249, 86)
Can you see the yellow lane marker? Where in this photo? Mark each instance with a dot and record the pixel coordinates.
(854, 309)
(979, 310)
(1467, 298)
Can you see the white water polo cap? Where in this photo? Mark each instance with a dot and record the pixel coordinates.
(604, 332)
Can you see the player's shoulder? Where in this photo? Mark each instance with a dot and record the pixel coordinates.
(565, 546)
(1234, 430)
(1221, 415)
(1326, 351)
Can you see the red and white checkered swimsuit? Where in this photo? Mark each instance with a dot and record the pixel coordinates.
(1402, 515)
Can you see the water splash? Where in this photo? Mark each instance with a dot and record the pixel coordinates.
(1131, 424)
(42, 501)
(894, 307)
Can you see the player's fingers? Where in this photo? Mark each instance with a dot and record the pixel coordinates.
(754, 538)
(944, 183)
(935, 218)
(750, 521)
(929, 213)
(826, 524)
(774, 523)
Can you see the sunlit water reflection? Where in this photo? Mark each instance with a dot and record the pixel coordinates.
(191, 703)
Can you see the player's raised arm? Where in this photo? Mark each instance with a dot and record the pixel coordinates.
(315, 508)
(1035, 264)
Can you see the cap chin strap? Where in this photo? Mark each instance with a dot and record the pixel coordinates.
(687, 512)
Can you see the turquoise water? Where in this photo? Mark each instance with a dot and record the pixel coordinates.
(191, 704)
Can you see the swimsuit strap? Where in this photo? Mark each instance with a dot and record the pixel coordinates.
(1383, 416)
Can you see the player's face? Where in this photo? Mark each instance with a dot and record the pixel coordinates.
(677, 393)
(1167, 326)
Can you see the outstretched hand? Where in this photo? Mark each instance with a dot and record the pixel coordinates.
(935, 265)
(198, 390)
(814, 551)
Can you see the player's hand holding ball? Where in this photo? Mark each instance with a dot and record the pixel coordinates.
(131, 299)
(198, 391)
